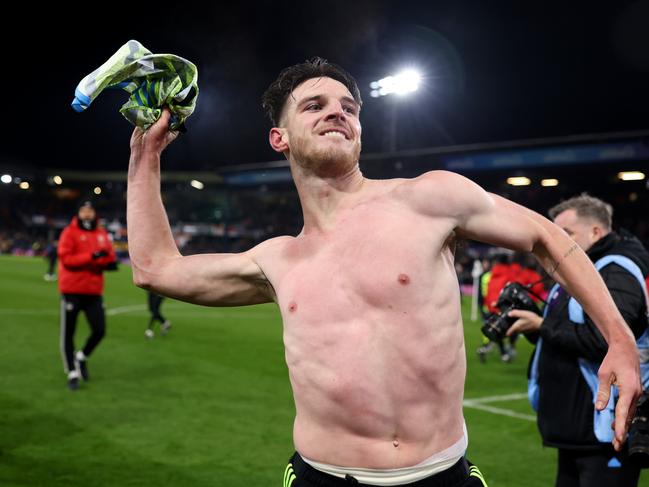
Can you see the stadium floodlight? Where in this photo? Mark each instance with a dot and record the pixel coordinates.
(6, 178)
(402, 83)
(549, 182)
(519, 181)
(58, 180)
(97, 190)
(24, 185)
(630, 176)
(195, 183)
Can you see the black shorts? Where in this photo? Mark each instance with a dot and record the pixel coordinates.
(298, 473)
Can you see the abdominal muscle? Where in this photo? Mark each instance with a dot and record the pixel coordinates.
(382, 390)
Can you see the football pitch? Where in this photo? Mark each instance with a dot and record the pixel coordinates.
(207, 405)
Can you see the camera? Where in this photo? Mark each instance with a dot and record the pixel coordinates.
(513, 296)
(638, 439)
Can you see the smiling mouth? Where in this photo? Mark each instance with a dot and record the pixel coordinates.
(334, 134)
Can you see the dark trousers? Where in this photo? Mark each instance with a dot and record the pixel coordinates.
(155, 300)
(93, 308)
(51, 264)
(298, 473)
(579, 468)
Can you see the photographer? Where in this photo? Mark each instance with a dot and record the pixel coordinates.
(570, 349)
(85, 252)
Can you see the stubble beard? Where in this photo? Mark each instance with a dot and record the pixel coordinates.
(326, 162)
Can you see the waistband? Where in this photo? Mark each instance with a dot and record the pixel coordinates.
(451, 477)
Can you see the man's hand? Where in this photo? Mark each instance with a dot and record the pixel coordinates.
(620, 367)
(155, 138)
(98, 254)
(527, 322)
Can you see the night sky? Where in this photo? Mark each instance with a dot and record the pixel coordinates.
(493, 71)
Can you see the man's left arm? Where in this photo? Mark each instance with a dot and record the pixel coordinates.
(495, 220)
(584, 339)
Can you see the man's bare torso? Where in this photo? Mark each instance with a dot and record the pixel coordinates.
(372, 331)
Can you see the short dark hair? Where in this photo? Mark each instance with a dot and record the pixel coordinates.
(586, 206)
(289, 78)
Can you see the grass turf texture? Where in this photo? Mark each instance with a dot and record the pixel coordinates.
(207, 405)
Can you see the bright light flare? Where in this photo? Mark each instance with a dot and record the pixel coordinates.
(519, 181)
(403, 83)
(549, 182)
(631, 176)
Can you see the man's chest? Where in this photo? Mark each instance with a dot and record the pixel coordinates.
(377, 259)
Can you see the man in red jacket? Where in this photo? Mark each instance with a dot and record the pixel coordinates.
(85, 252)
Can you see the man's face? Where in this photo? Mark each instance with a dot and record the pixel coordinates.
(86, 213)
(584, 231)
(321, 121)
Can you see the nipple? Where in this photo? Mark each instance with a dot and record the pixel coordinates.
(404, 279)
(292, 306)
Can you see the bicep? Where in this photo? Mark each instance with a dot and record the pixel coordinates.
(211, 280)
(492, 219)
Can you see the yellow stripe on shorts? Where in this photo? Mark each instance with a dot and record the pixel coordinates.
(475, 472)
(289, 476)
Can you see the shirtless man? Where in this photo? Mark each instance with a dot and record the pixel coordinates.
(367, 291)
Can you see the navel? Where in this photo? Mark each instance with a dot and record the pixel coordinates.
(395, 443)
(404, 279)
(292, 307)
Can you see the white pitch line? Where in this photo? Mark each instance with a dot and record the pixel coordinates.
(479, 403)
(125, 309)
(504, 397)
(501, 411)
(183, 311)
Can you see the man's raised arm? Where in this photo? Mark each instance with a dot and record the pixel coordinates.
(492, 219)
(209, 279)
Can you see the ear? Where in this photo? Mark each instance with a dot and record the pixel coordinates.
(597, 232)
(278, 139)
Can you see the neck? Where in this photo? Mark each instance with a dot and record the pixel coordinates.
(323, 197)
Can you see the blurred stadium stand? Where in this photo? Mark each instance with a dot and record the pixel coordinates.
(242, 205)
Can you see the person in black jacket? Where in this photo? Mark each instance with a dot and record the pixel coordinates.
(571, 348)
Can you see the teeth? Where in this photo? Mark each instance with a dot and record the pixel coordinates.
(334, 134)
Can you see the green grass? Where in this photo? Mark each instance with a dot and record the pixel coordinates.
(207, 405)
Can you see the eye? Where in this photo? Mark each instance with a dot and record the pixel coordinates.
(313, 107)
(350, 109)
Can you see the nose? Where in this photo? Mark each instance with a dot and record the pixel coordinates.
(335, 112)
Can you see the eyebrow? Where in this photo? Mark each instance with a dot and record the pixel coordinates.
(348, 99)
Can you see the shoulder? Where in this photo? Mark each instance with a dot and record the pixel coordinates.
(614, 273)
(67, 231)
(444, 192)
(270, 247)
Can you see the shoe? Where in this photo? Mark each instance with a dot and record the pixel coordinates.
(149, 333)
(81, 365)
(165, 327)
(506, 358)
(73, 380)
(483, 351)
(73, 384)
(482, 355)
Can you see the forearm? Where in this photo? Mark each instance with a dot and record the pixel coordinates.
(565, 262)
(151, 242)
